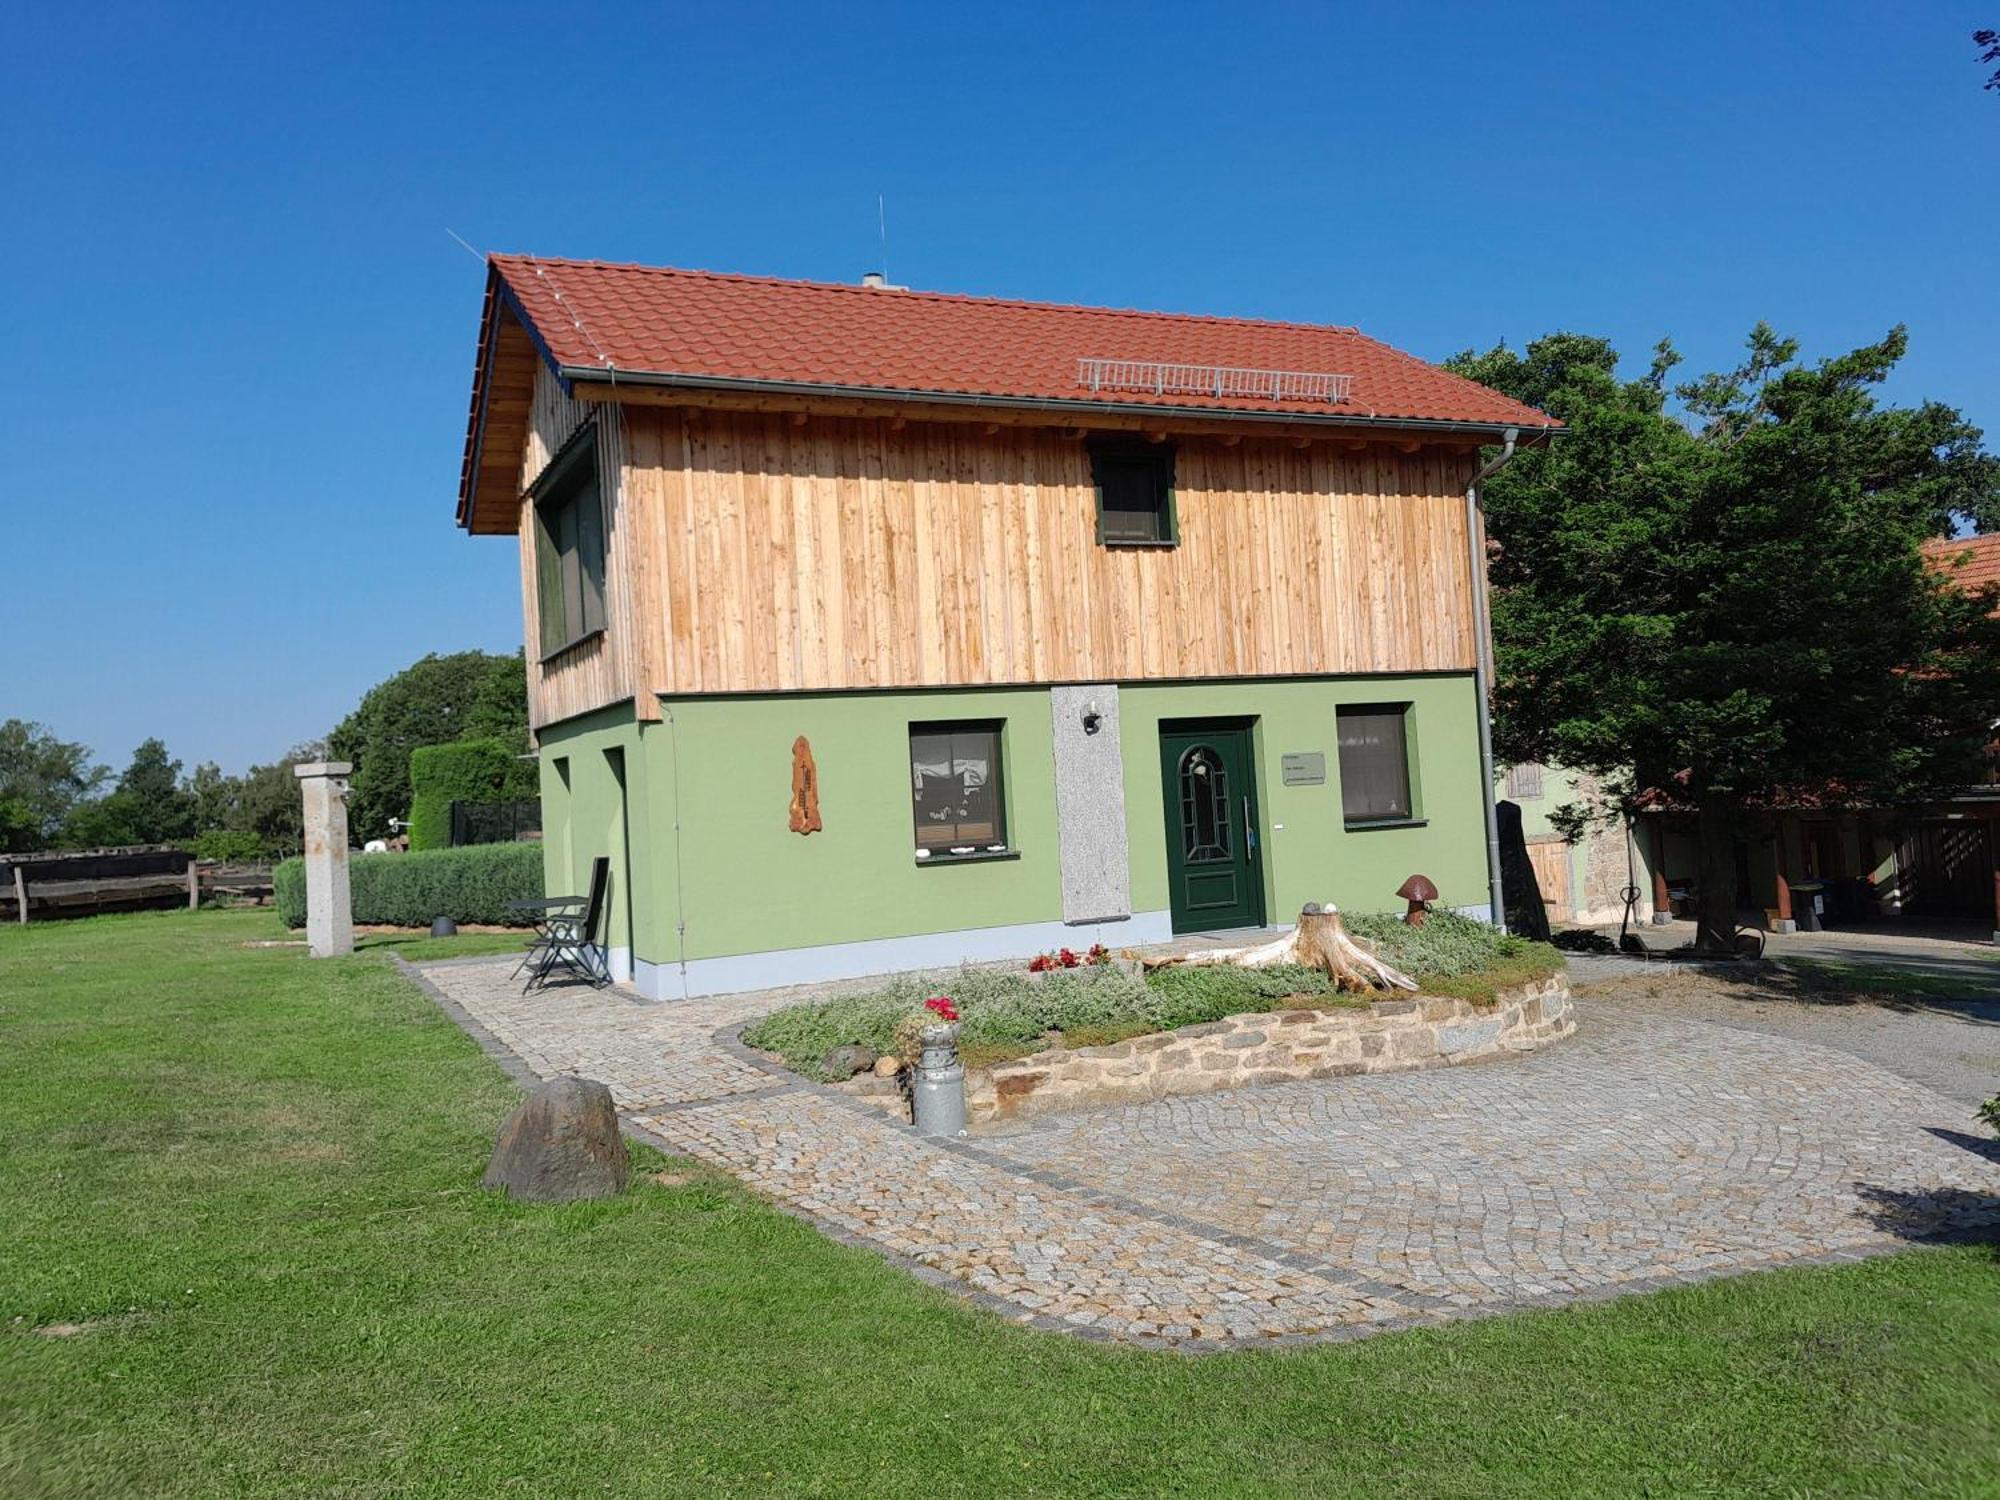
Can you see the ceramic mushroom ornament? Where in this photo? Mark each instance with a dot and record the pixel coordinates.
(1420, 893)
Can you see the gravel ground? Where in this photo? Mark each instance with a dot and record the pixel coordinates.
(1952, 1045)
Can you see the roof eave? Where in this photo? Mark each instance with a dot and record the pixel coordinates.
(607, 375)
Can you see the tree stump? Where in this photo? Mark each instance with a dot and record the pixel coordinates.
(1319, 941)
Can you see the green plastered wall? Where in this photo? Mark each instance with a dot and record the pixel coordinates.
(582, 818)
(1558, 790)
(748, 884)
(716, 871)
(1314, 856)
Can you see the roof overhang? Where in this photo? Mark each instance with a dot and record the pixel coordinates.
(496, 427)
(601, 382)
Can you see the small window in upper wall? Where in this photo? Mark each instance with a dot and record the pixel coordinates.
(955, 789)
(1375, 763)
(1524, 782)
(1135, 493)
(569, 545)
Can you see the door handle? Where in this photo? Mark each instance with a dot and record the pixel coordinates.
(1249, 829)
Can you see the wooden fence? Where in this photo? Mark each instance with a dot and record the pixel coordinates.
(39, 887)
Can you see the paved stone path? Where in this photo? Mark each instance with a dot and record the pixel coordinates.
(1952, 1046)
(1645, 1152)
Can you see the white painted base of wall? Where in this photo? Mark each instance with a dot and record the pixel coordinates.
(930, 950)
(616, 961)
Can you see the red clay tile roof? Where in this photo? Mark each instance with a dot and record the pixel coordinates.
(703, 326)
(1974, 560)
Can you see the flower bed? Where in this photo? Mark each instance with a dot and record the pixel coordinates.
(1010, 1014)
(1381, 1036)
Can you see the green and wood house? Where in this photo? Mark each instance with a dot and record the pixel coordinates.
(871, 629)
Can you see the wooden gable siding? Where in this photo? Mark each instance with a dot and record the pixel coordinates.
(604, 668)
(781, 554)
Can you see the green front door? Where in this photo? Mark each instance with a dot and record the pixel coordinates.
(1214, 877)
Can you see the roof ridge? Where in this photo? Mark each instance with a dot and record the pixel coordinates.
(856, 289)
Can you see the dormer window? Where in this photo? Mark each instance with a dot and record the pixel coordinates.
(569, 545)
(1135, 493)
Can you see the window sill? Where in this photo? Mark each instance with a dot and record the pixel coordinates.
(1134, 544)
(1374, 823)
(978, 857)
(567, 646)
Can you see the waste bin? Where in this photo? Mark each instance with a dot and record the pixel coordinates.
(1808, 904)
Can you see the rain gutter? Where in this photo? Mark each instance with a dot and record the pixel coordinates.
(1482, 673)
(608, 375)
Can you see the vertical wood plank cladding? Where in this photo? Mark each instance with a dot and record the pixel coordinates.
(602, 669)
(850, 552)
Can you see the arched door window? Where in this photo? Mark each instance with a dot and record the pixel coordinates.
(1205, 820)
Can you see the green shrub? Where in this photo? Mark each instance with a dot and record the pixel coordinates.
(470, 885)
(288, 891)
(485, 770)
(228, 845)
(1447, 944)
(1188, 996)
(1990, 1113)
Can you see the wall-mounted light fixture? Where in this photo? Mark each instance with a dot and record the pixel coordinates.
(1093, 720)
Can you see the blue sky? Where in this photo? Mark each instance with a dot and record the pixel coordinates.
(238, 341)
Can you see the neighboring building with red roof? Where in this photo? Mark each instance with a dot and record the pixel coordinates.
(873, 628)
(1827, 856)
(1973, 561)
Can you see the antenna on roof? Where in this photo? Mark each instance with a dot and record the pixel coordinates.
(882, 224)
(468, 249)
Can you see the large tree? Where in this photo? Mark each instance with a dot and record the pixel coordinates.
(41, 779)
(149, 805)
(1726, 602)
(432, 702)
(261, 809)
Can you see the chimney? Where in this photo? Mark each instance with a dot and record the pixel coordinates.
(875, 279)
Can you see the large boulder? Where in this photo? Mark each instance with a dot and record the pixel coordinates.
(560, 1144)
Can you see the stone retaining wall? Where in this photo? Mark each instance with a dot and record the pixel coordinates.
(1384, 1036)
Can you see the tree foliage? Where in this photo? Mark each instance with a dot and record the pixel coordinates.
(41, 779)
(162, 809)
(1729, 602)
(434, 701)
(53, 796)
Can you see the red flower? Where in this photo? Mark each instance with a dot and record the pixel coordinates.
(1098, 954)
(1068, 958)
(941, 1007)
(1040, 963)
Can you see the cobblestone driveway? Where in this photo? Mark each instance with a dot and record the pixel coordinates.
(1645, 1152)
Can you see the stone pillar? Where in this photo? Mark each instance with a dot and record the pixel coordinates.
(329, 908)
(1092, 855)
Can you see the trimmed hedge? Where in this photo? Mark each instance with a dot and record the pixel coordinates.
(469, 885)
(485, 770)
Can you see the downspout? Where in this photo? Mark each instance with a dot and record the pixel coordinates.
(1482, 674)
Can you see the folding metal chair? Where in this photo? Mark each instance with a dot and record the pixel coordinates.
(563, 940)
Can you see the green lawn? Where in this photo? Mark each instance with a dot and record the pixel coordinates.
(251, 1179)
